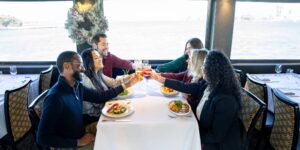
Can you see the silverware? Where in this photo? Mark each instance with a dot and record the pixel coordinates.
(179, 116)
(114, 120)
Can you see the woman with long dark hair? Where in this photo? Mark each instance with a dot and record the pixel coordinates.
(179, 64)
(95, 79)
(220, 104)
(219, 121)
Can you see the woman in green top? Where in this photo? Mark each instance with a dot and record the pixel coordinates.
(180, 64)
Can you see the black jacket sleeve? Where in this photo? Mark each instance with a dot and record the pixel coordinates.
(95, 96)
(195, 89)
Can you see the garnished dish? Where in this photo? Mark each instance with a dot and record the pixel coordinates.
(125, 94)
(117, 109)
(168, 91)
(179, 107)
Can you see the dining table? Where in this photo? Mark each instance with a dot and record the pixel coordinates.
(151, 125)
(9, 82)
(288, 83)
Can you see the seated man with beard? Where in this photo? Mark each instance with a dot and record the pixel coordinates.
(61, 124)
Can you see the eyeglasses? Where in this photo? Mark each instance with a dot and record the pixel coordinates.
(78, 65)
(188, 48)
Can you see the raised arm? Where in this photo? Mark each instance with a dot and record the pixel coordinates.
(174, 66)
(189, 88)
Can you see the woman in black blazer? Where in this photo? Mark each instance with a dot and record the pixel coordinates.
(219, 122)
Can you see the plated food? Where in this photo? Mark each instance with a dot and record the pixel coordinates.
(127, 93)
(168, 91)
(117, 109)
(179, 107)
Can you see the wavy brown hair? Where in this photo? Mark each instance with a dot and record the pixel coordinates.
(219, 73)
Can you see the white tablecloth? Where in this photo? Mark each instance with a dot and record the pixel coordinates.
(284, 82)
(150, 127)
(11, 82)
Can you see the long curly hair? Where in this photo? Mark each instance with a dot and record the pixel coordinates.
(219, 73)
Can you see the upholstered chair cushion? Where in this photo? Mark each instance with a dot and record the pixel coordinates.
(249, 110)
(284, 126)
(45, 80)
(18, 116)
(258, 91)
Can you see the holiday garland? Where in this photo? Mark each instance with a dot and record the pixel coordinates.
(83, 25)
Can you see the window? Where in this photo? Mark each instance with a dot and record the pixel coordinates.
(144, 29)
(33, 31)
(153, 29)
(266, 31)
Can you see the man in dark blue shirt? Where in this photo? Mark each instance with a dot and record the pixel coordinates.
(61, 124)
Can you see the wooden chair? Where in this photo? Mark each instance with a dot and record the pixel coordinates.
(285, 132)
(265, 122)
(16, 116)
(252, 109)
(45, 79)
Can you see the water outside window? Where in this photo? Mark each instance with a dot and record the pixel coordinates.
(144, 29)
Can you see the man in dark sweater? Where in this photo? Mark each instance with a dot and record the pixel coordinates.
(61, 124)
(110, 61)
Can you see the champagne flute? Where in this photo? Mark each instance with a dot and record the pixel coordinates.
(278, 68)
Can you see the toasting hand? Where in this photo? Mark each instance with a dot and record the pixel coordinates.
(133, 80)
(156, 76)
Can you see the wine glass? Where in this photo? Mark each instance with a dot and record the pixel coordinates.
(290, 72)
(278, 68)
(13, 70)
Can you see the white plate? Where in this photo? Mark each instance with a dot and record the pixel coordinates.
(129, 110)
(179, 114)
(130, 93)
(168, 94)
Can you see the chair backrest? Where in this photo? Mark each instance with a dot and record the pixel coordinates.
(45, 79)
(284, 135)
(240, 76)
(259, 90)
(252, 108)
(35, 109)
(16, 115)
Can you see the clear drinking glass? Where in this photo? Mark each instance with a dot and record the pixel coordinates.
(278, 68)
(13, 70)
(289, 70)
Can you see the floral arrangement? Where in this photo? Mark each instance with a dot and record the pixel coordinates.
(83, 23)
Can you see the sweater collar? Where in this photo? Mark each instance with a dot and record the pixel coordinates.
(63, 81)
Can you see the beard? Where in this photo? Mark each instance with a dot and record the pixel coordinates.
(77, 76)
(104, 53)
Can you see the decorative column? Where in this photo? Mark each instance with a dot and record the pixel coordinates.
(219, 26)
